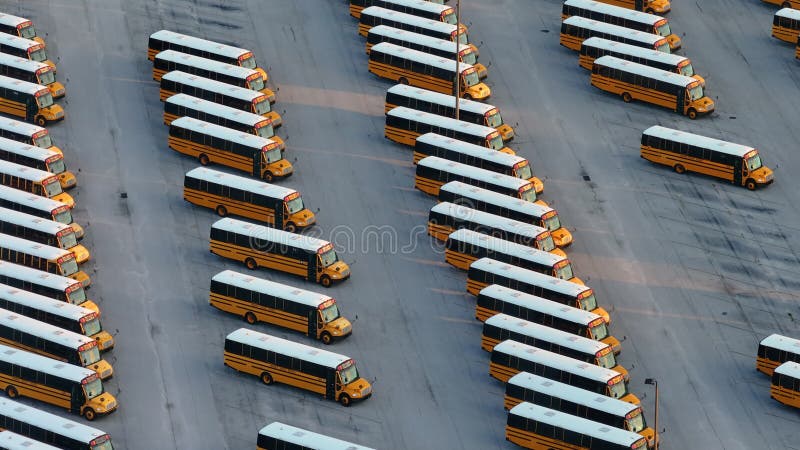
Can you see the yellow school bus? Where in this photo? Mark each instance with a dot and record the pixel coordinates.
(50, 428)
(24, 48)
(35, 181)
(38, 158)
(19, 26)
(279, 436)
(786, 25)
(775, 350)
(42, 257)
(43, 231)
(276, 206)
(632, 81)
(405, 125)
(41, 207)
(688, 152)
(375, 15)
(785, 386)
(273, 359)
(576, 29)
(27, 133)
(48, 284)
(785, 3)
(407, 66)
(32, 72)
(425, 9)
(259, 300)
(32, 102)
(210, 143)
(75, 388)
(648, 6)
(259, 246)
(433, 172)
(624, 17)
(539, 428)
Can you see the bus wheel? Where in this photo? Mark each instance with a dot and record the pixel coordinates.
(680, 169)
(344, 399)
(251, 263)
(266, 378)
(326, 338)
(203, 159)
(222, 211)
(626, 97)
(267, 177)
(325, 281)
(403, 80)
(692, 114)
(290, 227)
(649, 11)
(12, 392)
(41, 121)
(89, 414)
(750, 184)
(250, 318)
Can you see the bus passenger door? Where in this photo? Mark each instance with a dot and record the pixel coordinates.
(313, 320)
(280, 213)
(331, 382)
(259, 162)
(313, 263)
(739, 171)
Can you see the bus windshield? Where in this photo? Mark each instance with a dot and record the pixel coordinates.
(589, 303)
(105, 445)
(248, 63)
(754, 162)
(600, 331)
(69, 267)
(529, 195)
(696, 93)
(462, 39)
(64, 216)
(636, 423)
(273, 155)
(68, 240)
(349, 375)
(607, 361)
(262, 106)
(256, 83)
(52, 187)
(494, 119)
(330, 313)
(663, 47)
(618, 390)
(449, 17)
(92, 327)
(93, 388)
(469, 58)
(552, 223)
(295, 205)
(38, 55)
(43, 141)
(471, 78)
(78, 296)
(266, 131)
(663, 29)
(27, 32)
(547, 244)
(524, 172)
(57, 166)
(328, 258)
(90, 356)
(46, 78)
(565, 272)
(496, 142)
(687, 70)
(44, 100)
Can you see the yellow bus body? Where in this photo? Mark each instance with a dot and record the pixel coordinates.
(57, 397)
(41, 117)
(702, 106)
(280, 168)
(479, 91)
(785, 34)
(532, 441)
(103, 369)
(794, 4)
(252, 211)
(786, 396)
(462, 261)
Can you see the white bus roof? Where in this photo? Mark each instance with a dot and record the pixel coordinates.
(488, 219)
(632, 50)
(576, 424)
(213, 85)
(442, 121)
(545, 333)
(441, 99)
(43, 330)
(263, 286)
(238, 182)
(226, 112)
(24, 172)
(424, 40)
(410, 19)
(20, 127)
(572, 394)
(30, 275)
(788, 13)
(288, 348)
(520, 251)
(20, 86)
(51, 422)
(307, 439)
(615, 11)
(789, 368)
(783, 343)
(228, 134)
(44, 364)
(529, 276)
(697, 140)
(616, 30)
(27, 247)
(199, 44)
(673, 78)
(33, 222)
(17, 42)
(496, 198)
(473, 172)
(42, 303)
(8, 19)
(23, 149)
(421, 4)
(543, 305)
(14, 441)
(556, 361)
(22, 63)
(205, 64)
(420, 57)
(467, 148)
(29, 199)
(303, 242)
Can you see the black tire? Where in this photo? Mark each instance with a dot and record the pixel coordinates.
(649, 11)
(250, 318)
(467, 97)
(11, 391)
(268, 176)
(203, 159)
(41, 121)
(89, 414)
(626, 97)
(326, 338)
(751, 184)
(325, 281)
(679, 168)
(251, 263)
(222, 211)
(345, 400)
(266, 378)
(290, 227)
(692, 113)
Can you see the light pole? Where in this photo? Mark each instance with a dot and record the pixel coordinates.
(458, 48)
(654, 382)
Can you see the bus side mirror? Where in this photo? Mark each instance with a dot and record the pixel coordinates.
(624, 338)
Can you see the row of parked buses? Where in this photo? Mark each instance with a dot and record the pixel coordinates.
(779, 358)
(52, 342)
(786, 27)
(218, 109)
(547, 336)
